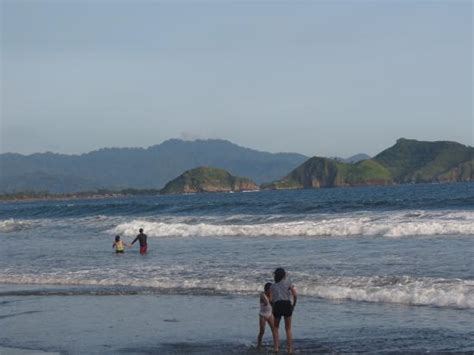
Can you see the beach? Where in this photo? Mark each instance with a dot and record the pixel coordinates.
(380, 269)
(174, 174)
(175, 324)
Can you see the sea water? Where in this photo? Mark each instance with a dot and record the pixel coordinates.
(376, 269)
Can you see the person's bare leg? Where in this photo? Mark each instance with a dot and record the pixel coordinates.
(276, 323)
(261, 331)
(276, 336)
(289, 335)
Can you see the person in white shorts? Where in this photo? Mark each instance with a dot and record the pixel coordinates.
(266, 316)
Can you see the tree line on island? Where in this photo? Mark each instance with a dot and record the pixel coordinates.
(408, 161)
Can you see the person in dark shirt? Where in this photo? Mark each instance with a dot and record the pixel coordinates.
(142, 241)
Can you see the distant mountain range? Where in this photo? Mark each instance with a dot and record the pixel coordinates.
(113, 169)
(408, 161)
(140, 168)
(353, 159)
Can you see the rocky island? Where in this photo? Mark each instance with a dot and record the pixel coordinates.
(408, 161)
(324, 172)
(208, 179)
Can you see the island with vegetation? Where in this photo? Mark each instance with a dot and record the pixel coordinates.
(208, 179)
(408, 161)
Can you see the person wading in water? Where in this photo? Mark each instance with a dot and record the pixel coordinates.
(142, 240)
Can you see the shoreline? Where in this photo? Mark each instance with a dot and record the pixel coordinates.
(74, 196)
(176, 324)
(88, 195)
(24, 351)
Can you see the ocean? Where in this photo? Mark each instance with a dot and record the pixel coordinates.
(377, 269)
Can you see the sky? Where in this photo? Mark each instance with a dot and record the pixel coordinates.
(330, 78)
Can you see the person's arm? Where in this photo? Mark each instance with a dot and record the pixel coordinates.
(134, 240)
(113, 245)
(263, 299)
(295, 296)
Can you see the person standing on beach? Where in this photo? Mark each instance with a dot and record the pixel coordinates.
(142, 241)
(282, 292)
(266, 316)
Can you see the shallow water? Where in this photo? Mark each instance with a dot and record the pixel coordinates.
(363, 259)
(224, 324)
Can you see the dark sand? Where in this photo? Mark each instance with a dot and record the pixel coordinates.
(177, 324)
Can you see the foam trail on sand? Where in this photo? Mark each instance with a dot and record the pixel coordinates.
(438, 292)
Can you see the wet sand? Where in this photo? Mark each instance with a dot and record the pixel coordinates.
(177, 324)
(17, 351)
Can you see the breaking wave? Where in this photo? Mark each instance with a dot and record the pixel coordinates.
(12, 225)
(414, 223)
(405, 290)
(437, 292)
(386, 224)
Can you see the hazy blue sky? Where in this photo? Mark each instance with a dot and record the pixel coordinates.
(319, 78)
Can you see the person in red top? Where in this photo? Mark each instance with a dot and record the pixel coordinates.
(142, 241)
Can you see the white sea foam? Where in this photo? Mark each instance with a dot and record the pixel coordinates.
(405, 290)
(453, 293)
(12, 225)
(387, 224)
(397, 224)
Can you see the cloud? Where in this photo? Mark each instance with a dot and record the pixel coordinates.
(191, 136)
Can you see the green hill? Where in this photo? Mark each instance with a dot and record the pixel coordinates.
(207, 179)
(323, 172)
(408, 161)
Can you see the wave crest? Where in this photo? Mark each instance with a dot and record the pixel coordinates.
(384, 224)
(452, 293)
(12, 225)
(455, 293)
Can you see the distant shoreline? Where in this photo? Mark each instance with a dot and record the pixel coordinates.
(87, 195)
(105, 194)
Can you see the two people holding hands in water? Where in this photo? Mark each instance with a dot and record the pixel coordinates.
(119, 245)
(276, 301)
